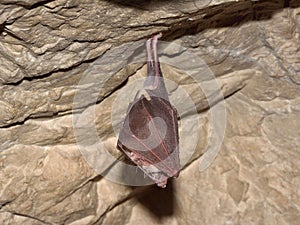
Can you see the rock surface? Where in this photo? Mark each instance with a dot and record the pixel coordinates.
(69, 70)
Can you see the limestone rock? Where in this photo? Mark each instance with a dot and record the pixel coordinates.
(68, 71)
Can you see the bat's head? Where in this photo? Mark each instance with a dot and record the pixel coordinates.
(160, 171)
(160, 177)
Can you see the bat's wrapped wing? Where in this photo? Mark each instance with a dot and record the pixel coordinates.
(149, 137)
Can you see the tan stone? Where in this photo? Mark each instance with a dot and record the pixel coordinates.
(68, 71)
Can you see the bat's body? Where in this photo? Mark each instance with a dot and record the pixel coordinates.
(149, 136)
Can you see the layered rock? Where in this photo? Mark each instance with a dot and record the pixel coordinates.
(67, 75)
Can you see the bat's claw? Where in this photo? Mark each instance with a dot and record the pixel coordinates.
(157, 36)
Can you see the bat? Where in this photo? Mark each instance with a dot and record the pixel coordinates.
(149, 133)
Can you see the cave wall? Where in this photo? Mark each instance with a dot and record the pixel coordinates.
(52, 51)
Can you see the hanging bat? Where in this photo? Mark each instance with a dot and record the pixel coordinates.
(149, 134)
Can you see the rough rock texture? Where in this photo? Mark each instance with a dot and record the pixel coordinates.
(53, 50)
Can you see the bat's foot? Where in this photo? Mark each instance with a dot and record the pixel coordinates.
(154, 37)
(150, 62)
(149, 54)
(157, 36)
